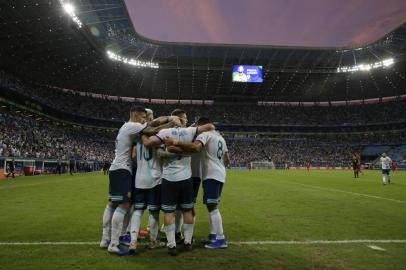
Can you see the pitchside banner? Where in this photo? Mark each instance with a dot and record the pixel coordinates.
(321, 168)
(242, 73)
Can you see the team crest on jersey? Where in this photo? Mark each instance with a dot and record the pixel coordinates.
(174, 132)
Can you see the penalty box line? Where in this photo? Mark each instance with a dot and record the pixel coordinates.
(259, 242)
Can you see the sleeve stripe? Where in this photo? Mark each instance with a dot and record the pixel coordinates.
(156, 135)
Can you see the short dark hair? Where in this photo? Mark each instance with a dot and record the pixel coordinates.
(203, 120)
(178, 112)
(137, 108)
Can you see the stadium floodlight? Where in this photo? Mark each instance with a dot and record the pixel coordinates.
(131, 61)
(70, 10)
(366, 67)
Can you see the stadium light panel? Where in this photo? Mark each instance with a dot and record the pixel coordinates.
(366, 67)
(70, 10)
(131, 61)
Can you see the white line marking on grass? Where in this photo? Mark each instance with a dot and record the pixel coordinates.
(376, 248)
(315, 242)
(259, 242)
(352, 193)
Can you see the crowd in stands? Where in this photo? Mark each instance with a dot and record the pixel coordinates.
(24, 136)
(103, 108)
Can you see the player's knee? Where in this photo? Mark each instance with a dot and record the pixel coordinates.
(138, 213)
(187, 210)
(154, 213)
(124, 205)
(211, 206)
(112, 204)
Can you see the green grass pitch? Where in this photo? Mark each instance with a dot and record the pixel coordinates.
(261, 205)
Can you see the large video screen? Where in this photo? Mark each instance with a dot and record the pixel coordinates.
(250, 74)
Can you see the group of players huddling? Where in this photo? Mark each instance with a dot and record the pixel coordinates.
(171, 161)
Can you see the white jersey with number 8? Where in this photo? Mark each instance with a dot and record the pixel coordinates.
(212, 158)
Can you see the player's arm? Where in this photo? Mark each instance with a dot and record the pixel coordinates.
(188, 147)
(164, 120)
(150, 130)
(160, 123)
(180, 146)
(175, 149)
(165, 154)
(226, 159)
(150, 141)
(204, 128)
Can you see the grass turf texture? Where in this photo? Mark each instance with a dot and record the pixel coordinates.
(256, 205)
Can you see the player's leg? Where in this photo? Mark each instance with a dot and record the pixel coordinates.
(212, 230)
(140, 204)
(107, 216)
(169, 197)
(384, 178)
(178, 224)
(212, 194)
(196, 186)
(154, 205)
(120, 193)
(187, 204)
(125, 236)
(388, 177)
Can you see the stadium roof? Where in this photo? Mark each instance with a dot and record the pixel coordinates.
(42, 43)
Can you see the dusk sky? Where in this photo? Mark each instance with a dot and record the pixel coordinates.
(328, 23)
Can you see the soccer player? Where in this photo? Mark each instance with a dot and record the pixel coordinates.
(385, 164)
(147, 192)
(177, 185)
(120, 176)
(240, 76)
(11, 169)
(214, 159)
(58, 167)
(355, 166)
(71, 165)
(394, 166)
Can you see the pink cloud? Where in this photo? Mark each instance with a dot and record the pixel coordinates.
(270, 22)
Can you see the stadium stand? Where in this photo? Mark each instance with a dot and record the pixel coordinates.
(107, 109)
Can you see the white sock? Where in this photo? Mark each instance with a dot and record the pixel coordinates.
(135, 225)
(126, 222)
(384, 178)
(117, 225)
(188, 232)
(217, 222)
(170, 235)
(178, 220)
(212, 228)
(107, 215)
(153, 223)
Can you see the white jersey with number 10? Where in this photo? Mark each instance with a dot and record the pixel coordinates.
(149, 168)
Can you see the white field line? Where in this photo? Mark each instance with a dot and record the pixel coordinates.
(376, 248)
(352, 193)
(260, 242)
